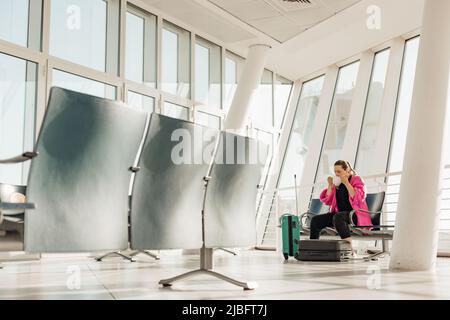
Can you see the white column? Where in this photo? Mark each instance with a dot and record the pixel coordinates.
(416, 233)
(247, 86)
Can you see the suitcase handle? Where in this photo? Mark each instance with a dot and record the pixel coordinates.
(285, 215)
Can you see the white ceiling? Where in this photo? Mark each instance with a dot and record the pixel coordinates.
(312, 36)
(283, 20)
(344, 36)
(196, 16)
(250, 21)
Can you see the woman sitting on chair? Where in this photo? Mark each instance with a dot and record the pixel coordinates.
(346, 194)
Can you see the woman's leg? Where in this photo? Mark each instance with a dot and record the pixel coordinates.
(341, 222)
(320, 222)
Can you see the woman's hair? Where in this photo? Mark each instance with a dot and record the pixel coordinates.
(345, 165)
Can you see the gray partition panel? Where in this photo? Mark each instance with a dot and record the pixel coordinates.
(230, 207)
(168, 191)
(79, 182)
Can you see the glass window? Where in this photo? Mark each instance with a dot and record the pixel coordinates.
(141, 47)
(233, 70)
(267, 139)
(207, 120)
(176, 60)
(86, 32)
(283, 89)
(372, 153)
(208, 73)
(76, 83)
(20, 22)
(337, 120)
(141, 102)
(175, 111)
(404, 105)
(261, 110)
(134, 48)
(300, 138)
(17, 110)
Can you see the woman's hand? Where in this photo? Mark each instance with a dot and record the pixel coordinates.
(330, 186)
(344, 178)
(330, 181)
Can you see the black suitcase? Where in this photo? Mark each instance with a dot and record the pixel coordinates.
(324, 250)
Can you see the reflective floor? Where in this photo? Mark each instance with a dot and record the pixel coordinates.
(78, 277)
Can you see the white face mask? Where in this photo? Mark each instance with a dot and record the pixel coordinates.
(336, 181)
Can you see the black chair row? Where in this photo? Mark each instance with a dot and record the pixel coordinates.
(376, 232)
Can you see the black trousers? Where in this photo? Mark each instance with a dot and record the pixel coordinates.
(340, 221)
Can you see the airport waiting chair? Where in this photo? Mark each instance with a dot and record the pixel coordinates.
(315, 207)
(378, 231)
(11, 221)
(79, 175)
(13, 201)
(14, 195)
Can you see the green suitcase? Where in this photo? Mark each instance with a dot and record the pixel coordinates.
(290, 230)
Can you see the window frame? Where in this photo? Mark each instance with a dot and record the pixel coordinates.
(329, 115)
(149, 62)
(210, 46)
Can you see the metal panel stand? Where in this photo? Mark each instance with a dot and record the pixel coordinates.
(146, 252)
(206, 257)
(206, 266)
(228, 251)
(115, 253)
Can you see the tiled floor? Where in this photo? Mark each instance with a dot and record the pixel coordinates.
(57, 278)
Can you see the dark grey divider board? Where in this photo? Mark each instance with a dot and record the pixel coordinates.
(168, 195)
(230, 207)
(80, 180)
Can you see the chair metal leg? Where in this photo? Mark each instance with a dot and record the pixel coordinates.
(146, 252)
(228, 251)
(245, 285)
(115, 253)
(376, 256)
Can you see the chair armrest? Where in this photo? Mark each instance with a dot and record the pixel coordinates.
(302, 216)
(374, 227)
(7, 207)
(360, 210)
(300, 219)
(19, 159)
(13, 219)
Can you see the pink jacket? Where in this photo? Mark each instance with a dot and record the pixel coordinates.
(358, 201)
